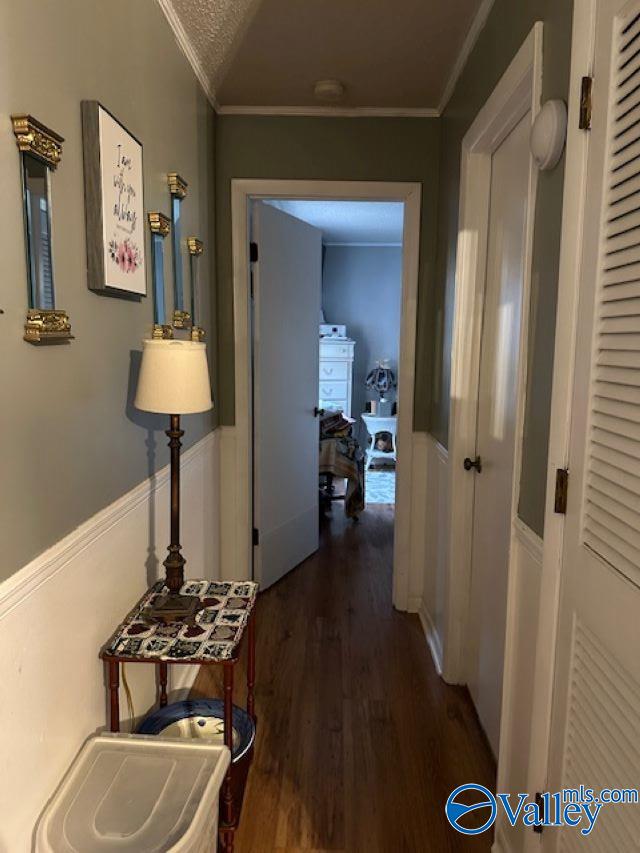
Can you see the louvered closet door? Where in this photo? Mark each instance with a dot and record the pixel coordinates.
(596, 716)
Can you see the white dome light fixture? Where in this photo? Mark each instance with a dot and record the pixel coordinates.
(328, 91)
(548, 134)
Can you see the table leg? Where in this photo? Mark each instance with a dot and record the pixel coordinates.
(114, 684)
(228, 839)
(227, 793)
(162, 675)
(251, 667)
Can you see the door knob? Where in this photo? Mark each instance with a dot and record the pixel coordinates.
(473, 463)
(318, 413)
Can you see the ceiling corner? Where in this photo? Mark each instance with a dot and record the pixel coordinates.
(186, 46)
(477, 25)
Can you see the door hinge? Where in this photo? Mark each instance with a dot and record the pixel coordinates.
(586, 89)
(255, 538)
(540, 803)
(562, 491)
(253, 252)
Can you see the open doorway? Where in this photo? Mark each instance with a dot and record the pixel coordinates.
(326, 284)
(245, 539)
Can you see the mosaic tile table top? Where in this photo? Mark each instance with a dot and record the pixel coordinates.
(212, 636)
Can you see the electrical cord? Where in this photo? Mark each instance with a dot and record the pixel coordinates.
(127, 691)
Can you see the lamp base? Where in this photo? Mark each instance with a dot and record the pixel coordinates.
(174, 607)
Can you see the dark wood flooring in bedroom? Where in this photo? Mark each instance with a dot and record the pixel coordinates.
(359, 741)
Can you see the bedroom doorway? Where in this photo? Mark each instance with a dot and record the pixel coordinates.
(326, 283)
(276, 488)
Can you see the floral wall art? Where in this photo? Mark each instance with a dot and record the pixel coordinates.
(114, 203)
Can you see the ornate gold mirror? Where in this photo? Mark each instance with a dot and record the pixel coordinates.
(40, 153)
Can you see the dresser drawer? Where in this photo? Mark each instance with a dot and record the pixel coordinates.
(332, 370)
(336, 350)
(336, 404)
(333, 390)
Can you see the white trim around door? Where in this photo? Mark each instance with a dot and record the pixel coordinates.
(569, 279)
(517, 92)
(236, 527)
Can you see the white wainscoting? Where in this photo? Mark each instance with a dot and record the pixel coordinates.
(435, 524)
(517, 699)
(56, 612)
(417, 533)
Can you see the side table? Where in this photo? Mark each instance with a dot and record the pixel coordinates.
(376, 424)
(212, 638)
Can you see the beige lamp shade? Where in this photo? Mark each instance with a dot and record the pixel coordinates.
(174, 378)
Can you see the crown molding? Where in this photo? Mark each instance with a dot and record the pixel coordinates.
(324, 111)
(187, 48)
(468, 44)
(343, 112)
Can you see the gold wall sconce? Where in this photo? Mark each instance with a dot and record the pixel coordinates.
(160, 226)
(40, 154)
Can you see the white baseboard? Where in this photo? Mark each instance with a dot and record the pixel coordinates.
(431, 635)
(414, 603)
(55, 614)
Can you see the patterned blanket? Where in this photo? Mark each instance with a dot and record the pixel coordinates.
(341, 456)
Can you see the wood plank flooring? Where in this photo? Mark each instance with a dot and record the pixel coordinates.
(359, 741)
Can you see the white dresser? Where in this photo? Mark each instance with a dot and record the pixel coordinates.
(336, 374)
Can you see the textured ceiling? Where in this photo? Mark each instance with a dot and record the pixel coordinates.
(214, 30)
(365, 222)
(268, 53)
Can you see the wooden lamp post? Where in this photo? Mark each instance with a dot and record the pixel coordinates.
(174, 380)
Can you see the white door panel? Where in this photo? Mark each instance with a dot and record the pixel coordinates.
(497, 401)
(595, 735)
(287, 282)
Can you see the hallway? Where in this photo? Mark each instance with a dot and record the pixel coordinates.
(359, 741)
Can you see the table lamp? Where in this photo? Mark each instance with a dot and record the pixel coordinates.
(381, 379)
(174, 380)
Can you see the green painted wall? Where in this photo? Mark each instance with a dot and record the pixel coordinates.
(72, 441)
(507, 27)
(368, 149)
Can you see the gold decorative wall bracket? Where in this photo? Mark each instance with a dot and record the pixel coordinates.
(35, 138)
(45, 326)
(159, 223)
(181, 319)
(195, 246)
(161, 332)
(177, 185)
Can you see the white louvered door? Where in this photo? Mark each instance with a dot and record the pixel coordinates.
(595, 738)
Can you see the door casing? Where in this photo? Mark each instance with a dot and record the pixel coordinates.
(569, 279)
(518, 91)
(236, 469)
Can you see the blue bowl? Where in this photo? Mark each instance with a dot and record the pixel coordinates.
(201, 718)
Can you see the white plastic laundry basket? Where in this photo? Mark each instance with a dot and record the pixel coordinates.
(137, 794)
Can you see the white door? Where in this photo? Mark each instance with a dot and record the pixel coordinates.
(286, 286)
(595, 737)
(496, 425)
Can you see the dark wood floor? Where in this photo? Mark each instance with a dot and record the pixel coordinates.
(359, 741)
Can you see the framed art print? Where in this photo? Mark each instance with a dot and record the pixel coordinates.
(114, 204)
